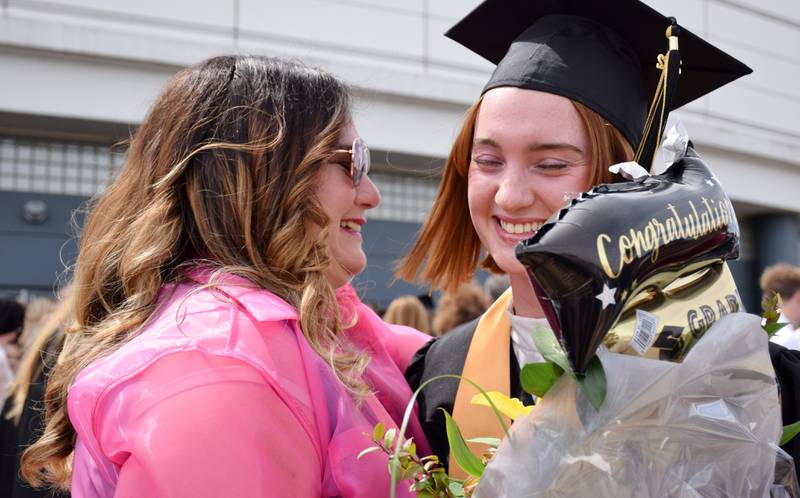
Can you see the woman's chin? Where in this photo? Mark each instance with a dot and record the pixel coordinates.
(510, 265)
(339, 275)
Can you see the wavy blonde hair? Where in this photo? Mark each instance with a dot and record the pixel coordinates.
(45, 344)
(408, 310)
(223, 172)
(447, 250)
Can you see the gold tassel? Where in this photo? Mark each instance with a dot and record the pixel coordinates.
(659, 104)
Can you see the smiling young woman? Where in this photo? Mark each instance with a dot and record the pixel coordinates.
(501, 181)
(216, 347)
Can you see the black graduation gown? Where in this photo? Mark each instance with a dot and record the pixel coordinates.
(14, 438)
(446, 355)
(786, 363)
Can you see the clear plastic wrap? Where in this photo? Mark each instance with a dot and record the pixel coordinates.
(706, 427)
(675, 143)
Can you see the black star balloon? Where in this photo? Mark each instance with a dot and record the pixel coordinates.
(639, 264)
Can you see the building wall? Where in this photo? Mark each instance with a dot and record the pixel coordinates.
(87, 70)
(36, 257)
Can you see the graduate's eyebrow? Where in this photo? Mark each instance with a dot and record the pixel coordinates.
(485, 141)
(554, 146)
(535, 147)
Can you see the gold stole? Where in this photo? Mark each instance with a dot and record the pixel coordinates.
(487, 364)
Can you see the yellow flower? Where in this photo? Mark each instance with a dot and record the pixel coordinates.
(510, 407)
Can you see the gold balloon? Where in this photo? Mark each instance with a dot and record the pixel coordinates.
(684, 309)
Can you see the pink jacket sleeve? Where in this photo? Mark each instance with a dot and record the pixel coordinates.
(202, 426)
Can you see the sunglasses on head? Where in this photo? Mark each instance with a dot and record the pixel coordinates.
(357, 162)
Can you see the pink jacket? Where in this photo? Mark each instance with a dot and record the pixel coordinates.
(220, 395)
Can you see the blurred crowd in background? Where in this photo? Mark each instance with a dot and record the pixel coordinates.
(452, 309)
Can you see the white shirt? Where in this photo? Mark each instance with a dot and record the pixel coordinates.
(788, 336)
(521, 339)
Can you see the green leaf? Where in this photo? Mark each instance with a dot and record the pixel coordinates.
(388, 438)
(409, 413)
(769, 306)
(538, 378)
(456, 488)
(488, 441)
(773, 327)
(368, 450)
(458, 447)
(548, 347)
(377, 432)
(411, 471)
(593, 384)
(789, 432)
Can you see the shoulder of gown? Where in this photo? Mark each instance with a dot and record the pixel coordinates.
(444, 355)
(786, 363)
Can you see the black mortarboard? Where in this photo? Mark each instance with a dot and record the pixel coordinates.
(600, 53)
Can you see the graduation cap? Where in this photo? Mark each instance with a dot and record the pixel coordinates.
(612, 56)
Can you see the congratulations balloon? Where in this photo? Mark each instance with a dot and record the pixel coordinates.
(650, 251)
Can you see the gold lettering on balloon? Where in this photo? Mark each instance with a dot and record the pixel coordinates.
(699, 220)
(601, 252)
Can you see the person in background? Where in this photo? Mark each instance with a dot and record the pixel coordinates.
(22, 417)
(467, 303)
(218, 348)
(784, 280)
(12, 316)
(37, 311)
(495, 285)
(409, 311)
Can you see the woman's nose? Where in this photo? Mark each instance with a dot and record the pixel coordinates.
(514, 191)
(367, 194)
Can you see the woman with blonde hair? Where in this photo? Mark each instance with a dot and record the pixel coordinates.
(569, 97)
(467, 303)
(408, 310)
(21, 419)
(218, 349)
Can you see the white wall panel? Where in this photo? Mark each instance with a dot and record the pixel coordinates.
(415, 7)
(772, 73)
(689, 13)
(407, 125)
(783, 9)
(219, 13)
(74, 88)
(445, 51)
(451, 10)
(755, 181)
(729, 27)
(356, 27)
(756, 107)
(115, 38)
